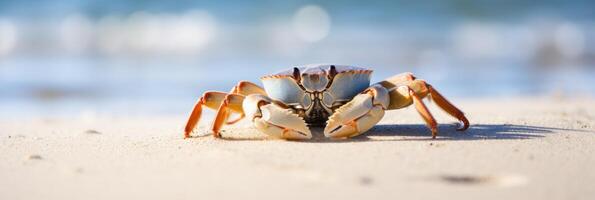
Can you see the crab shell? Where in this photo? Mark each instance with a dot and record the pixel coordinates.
(314, 92)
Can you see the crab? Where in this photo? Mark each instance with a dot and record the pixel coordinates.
(338, 97)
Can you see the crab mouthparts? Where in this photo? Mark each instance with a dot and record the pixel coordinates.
(316, 115)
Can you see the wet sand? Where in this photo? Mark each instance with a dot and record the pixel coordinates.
(524, 148)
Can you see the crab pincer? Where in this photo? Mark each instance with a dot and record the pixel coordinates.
(358, 115)
(274, 120)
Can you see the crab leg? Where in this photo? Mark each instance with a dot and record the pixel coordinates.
(405, 95)
(406, 92)
(449, 108)
(232, 102)
(358, 115)
(275, 119)
(243, 88)
(422, 89)
(398, 79)
(247, 88)
(213, 101)
(422, 109)
(209, 99)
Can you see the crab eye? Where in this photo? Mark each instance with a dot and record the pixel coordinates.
(332, 72)
(296, 74)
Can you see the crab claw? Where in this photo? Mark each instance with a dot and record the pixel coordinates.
(274, 120)
(358, 115)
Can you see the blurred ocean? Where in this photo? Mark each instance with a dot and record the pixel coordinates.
(74, 57)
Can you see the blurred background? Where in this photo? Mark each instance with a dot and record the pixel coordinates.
(131, 57)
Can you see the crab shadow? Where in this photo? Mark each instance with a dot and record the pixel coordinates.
(419, 132)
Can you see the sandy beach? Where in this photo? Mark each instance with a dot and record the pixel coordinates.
(523, 148)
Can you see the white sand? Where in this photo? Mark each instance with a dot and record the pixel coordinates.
(522, 149)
